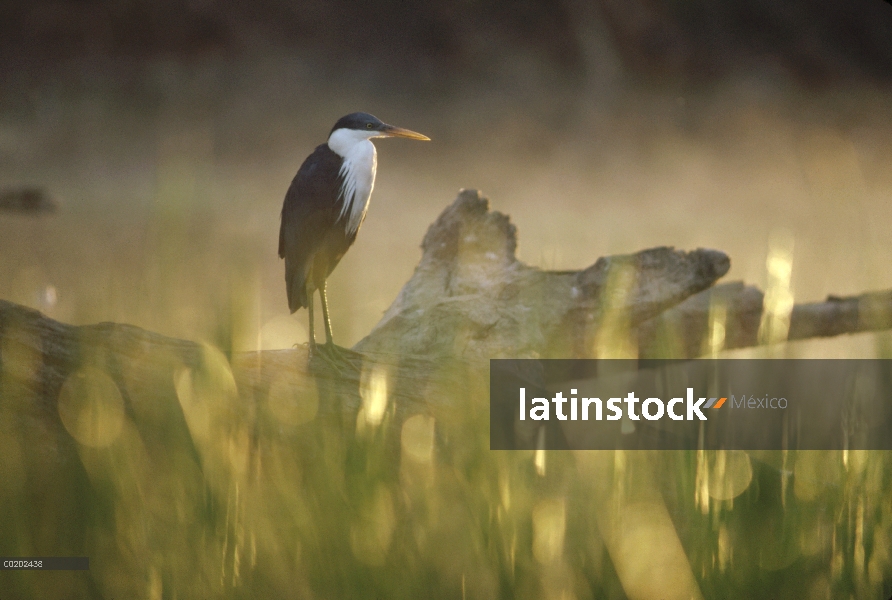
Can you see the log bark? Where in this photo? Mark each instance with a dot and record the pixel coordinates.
(682, 331)
(470, 296)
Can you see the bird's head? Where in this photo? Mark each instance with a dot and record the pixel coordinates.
(362, 126)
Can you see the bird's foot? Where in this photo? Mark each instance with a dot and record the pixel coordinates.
(340, 359)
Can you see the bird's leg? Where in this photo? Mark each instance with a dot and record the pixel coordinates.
(313, 349)
(312, 322)
(333, 351)
(327, 352)
(329, 341)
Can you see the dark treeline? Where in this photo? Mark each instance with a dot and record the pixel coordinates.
(815, 43)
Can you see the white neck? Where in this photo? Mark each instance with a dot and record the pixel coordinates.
(343, 141)
(357, 172)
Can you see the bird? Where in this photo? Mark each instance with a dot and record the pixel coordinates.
(324, 208)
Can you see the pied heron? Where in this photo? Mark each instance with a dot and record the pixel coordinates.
(324, 208)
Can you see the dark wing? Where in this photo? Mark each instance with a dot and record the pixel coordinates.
(309, 216)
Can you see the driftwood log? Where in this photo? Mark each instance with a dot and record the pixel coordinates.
(143, 422)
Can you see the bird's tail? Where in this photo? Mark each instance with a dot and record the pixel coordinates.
(296, 285)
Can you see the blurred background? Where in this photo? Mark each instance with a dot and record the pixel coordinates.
(145, 150)
(168, 132)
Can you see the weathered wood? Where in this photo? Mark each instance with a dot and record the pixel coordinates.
(682, 331)
(471, 297)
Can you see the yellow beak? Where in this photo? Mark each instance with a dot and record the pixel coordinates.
(391, 131)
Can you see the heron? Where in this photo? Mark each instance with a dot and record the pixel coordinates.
(324, 209)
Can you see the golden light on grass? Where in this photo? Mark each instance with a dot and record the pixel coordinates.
(614, 339)
(778, 302)
(815, 471)
(777, 548)
(701, 482)
(539, 453)
(91, 408)
(718, 316)
(816, 536)
(821, 588)
(370, 536)
(647, 553)
(291, 401)
(373, 390)
(854, 461)
(155, 586)
(505, 490)
(881, 557)
(549, 529)
(12, 466)
(730, 473)
(209, 398)
(725, 549)
(417, 438)
(860, 551)
(20, 362)
(125, 474)
(21, 356)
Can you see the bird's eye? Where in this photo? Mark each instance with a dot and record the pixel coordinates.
(369, 125)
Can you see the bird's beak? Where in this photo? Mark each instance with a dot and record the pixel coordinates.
(391, 131)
